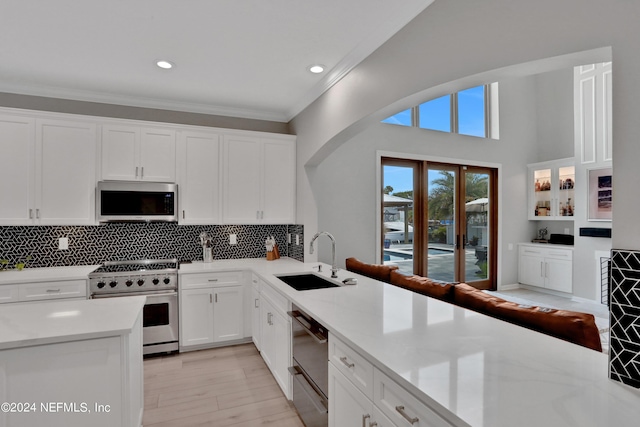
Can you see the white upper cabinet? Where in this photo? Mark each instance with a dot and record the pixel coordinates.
(17, 163)
(47, 171)
(65, 172)
(551, 188)
(258, 183)
(199, 177)
(131, 153)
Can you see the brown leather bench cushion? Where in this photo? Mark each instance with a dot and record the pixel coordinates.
(474, 299)
(375, 271)
(578, 328)
(424, 285)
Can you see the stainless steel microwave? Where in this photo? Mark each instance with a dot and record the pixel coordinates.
(136, 201)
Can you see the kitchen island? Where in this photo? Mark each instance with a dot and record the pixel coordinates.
(468, 368)
(71, 363)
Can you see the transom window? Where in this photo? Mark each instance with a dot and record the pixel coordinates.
(472, 112)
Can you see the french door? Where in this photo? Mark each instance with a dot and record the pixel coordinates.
(440, 221)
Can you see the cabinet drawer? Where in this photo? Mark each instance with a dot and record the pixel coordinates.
(9, 293)
(528, 250)
(357, 369)
(402, 408)
(53, 290)
(560, 254)
(222, 278)
(279, 301)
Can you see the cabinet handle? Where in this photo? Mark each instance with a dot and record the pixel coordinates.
(53, 291)
(373, 424)
(38, 213)
(136, 171)
(182, 213)
(269, 319)
(541, 269)
(347, 364)
(256, 303)
(142, 172)
(261, 214)
(30, 213)
(213, 280)
(216, 297)
(210, 298)
(257, 214)
(413, 420)
(365, 417)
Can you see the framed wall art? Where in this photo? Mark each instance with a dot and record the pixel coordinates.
(600, 191)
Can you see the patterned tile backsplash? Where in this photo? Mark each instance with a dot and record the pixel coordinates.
(624, 354)
(133, 241)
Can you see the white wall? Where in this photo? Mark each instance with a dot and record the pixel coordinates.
(345, 186)
(469, 42)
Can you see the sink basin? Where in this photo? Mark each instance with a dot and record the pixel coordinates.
(307, 281)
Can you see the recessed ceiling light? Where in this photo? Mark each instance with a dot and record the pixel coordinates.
(164, 64)
(316, 69)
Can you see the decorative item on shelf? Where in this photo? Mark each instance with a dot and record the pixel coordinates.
(21, 264)
(207, 246)
(537, 185)
(272, 249)
(542, 236)
(3, 264)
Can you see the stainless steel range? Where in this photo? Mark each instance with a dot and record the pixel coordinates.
(158, 281)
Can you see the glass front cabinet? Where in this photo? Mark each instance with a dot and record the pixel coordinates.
(551, 190)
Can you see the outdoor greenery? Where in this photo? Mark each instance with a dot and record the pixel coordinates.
(441, 196)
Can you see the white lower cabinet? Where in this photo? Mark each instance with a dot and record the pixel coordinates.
(546, 267)
(275, 345)
(196, 317)
(41, 291)
(256, 334)
(348, 406)
(361, 395)
(211, 309)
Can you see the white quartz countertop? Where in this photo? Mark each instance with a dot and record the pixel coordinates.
(30, 275)
(37, 323)
(470, 368)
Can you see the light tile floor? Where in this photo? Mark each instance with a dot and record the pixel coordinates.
(530, 297)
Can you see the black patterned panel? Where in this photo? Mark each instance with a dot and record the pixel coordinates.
(625, 317)
(296, 251)
(133, 241)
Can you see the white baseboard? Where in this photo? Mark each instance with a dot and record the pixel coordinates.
(509, 287)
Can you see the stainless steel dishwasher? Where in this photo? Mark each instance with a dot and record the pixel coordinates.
(310, 369)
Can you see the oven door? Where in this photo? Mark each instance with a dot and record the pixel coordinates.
(160, 323)
(159, 320)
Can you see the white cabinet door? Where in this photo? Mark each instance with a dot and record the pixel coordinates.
(65, 172)
(348, 406)
(132, 153)
(267, 332)
(158, 155)
(242, 176)
(255, 318)
(279, 182)
(196, 317)
(198, 160)
(282, 360)
(228, 313)
(559, 275)
(119, 153)
(531, 270)
(258, 183)
(17, 152)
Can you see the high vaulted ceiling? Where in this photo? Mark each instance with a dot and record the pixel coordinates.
(242, 58)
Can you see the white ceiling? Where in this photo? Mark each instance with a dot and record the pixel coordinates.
(242, 58)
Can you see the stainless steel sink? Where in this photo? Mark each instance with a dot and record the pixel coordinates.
(307, 281)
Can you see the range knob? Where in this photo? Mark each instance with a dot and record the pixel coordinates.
(101, 284)
(129, 283)
(140, 282)
(113, 284)
(166, 280)
(156, 281)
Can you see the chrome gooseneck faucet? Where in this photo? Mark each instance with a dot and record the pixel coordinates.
(334, 269)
